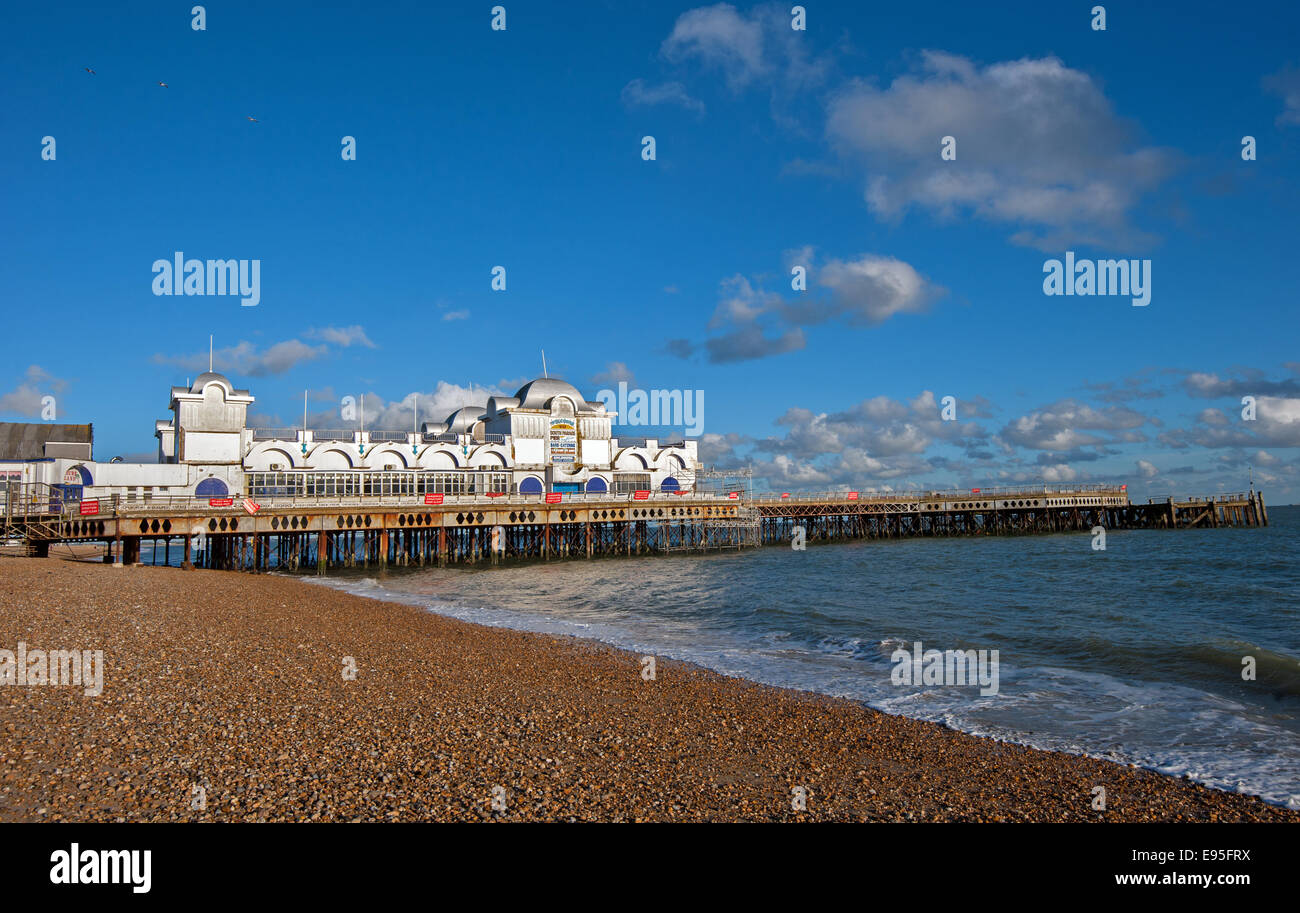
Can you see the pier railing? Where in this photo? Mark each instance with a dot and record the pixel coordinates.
(945, 494)
(49, 502)
(1208, 499)
(404, 528)
(352, 435)
(128, 505)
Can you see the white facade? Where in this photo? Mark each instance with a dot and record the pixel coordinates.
(545, 438)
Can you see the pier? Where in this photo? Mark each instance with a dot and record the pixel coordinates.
(320, 534)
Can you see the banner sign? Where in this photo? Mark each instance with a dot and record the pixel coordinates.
(640, 495)
(251, 506)
(221, 502)
(554, 497)
(433, 499)
(734, 495)
(564, 440)
(853, 496)
(90, 507)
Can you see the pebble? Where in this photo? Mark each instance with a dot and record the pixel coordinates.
(224, 700)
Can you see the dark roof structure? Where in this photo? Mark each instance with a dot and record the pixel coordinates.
(38, 440)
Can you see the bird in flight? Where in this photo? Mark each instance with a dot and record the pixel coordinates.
(163, 84)
(89, 70)
(253, 119)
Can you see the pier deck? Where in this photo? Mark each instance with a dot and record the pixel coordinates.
(323, 533)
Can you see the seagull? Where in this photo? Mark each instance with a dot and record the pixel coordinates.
(89, 70)
(253, 119)
(163, 84)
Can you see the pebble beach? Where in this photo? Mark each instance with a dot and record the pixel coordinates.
(230, 697)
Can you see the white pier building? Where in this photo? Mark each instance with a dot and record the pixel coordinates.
(545, 438)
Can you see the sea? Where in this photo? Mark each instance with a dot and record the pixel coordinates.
(1177, 651)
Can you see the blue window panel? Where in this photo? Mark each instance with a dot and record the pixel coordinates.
(212, 488)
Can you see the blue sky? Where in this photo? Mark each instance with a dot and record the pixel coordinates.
(774, 148)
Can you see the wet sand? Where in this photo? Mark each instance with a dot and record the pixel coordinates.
(235, 684)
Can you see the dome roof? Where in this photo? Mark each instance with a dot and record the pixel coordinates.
(211, 377)
(463, 419)
(537, 394)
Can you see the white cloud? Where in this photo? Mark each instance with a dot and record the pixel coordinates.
(756, 323)
(639, 93)
(25, 399)
(614, 373)
(1038, 146)
(247, 360)
(872, 289)
(719, 36)
(1063, 426)
(342, 336)
(1286, 83)
(1061, 472)
(399, 415)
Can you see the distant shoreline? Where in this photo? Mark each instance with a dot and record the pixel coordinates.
(233, 684)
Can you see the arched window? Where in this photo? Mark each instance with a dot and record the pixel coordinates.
(531, 485)
(597, 484)
(212, 488)
(669, 484)
(78, 475)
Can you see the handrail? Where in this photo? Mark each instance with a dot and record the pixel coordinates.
(1209, 499)
(334, 435)
(641, 442)
(277, 434)
(964, 494)
(131, 506)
